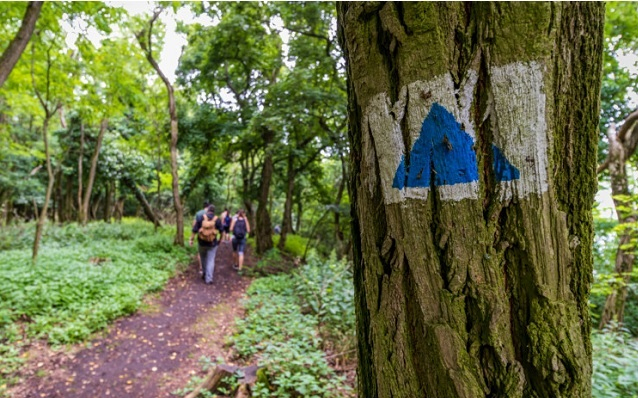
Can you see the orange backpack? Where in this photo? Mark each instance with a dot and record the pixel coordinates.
(207, 231)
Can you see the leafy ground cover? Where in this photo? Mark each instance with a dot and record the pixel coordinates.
(615, 364)
(291, 320)
(84, 278)
(294, 324)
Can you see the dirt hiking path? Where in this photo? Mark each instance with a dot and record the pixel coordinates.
(150, 353)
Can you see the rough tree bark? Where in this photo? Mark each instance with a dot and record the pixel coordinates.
(12, 53)
(622, 145)
(89, 184)
(263, 227)
(473, 149)
(145, 39)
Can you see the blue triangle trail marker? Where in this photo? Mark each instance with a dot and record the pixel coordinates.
(503, 169)
(444, 152)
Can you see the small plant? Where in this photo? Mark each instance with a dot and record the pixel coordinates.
(285, 314)
(615, 356)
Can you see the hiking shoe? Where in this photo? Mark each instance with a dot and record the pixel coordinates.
(236, 267)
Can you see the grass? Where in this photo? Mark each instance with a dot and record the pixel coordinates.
(84, 278)
(295, 244)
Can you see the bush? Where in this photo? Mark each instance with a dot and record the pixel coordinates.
(295, 244)
(615, 356)
(283, 323)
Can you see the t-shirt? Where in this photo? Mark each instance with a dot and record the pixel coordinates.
(198, 226)
(200, 215)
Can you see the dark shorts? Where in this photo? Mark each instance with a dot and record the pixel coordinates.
(226, 228)
(239, 245)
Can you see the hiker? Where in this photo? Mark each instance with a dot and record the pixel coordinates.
(206, 230)
(226, 220)
(198, 216)
(241, 229)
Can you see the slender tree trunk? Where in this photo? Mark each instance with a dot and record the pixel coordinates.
(68, 202)
(299, 214)
(337, 214)
(108, 205)
(47, 197)
(56, 197)
(144, 38)
(473, 131)
(263, 229)
(139, 195)
(89, 184)
(286, 226)
(119, 209)
(12, 53)
(179, 211)
(626, 213)
(80, 176)
(9, 215)
(95, 205)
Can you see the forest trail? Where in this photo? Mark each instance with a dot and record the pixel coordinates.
(152, 352)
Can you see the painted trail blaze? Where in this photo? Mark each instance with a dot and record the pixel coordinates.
(443, 155)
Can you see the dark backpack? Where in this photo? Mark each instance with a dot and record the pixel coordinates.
(227, 220)
(239, 231)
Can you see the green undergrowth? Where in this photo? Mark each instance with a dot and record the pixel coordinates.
(295, 244)
(84, 278)
(615, 355)
(291, 321)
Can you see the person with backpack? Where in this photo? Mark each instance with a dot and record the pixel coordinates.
(198, 216)
(206, 228)
(226, 220)
(241, 229)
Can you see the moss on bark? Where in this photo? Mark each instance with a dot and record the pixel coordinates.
(476, 297)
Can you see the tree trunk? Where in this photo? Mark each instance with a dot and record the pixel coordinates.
(341, 251)
(119, 210)
(89, 184)
(12, 53)
(68, 202)
(473, 131)
(97, 200)
(80, 176)
(627, 214)
(139, 195)
(9, 215)
(263, 230)
(299, 214)
(286, 226)
(43, 214)
(144, 38)
(108, 205)
(179, 212)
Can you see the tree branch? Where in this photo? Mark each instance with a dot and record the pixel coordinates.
(12, 53)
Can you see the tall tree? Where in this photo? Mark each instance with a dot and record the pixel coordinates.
(50, 93)
(12, 53)
(473, 131)
(241, 56)
(619, 145)
(144, 37)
